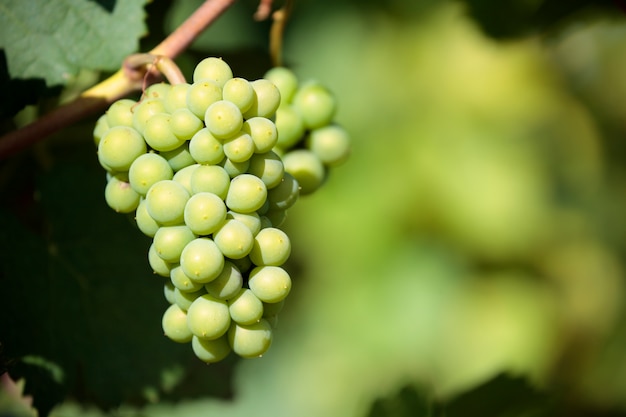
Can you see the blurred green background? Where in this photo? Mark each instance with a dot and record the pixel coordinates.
(468, 260)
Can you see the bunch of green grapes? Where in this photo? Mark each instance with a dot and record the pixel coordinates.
(310, 141)
(200, 168)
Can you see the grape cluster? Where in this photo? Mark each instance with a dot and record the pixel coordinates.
(209, 173)
(310, 142)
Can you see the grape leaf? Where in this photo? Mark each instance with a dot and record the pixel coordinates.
(53, 40)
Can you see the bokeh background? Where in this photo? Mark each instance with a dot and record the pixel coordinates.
(468, 260)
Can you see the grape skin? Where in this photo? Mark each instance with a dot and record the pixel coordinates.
(208, 317)
(245, 307)
(169, 242)
(246, 194)
(119, 147)
(271, 247)
(214, 69)
(210, 351)
(182, 281)
(204, 213)
(120, 196)
(331, 144)
(250, 341)
(306, 168)
(206, 148)
(234, 239)
(145, 222)
(174, 324)
(148, 169)
(202, 260)
(227, 284)
(165, 202)
(270, 284)
(286, 82)
(223, 119)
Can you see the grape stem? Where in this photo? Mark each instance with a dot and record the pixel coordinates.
(118, 85)
(277, 30)
(135, 64)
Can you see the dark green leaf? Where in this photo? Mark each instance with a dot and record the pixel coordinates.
(52, 40)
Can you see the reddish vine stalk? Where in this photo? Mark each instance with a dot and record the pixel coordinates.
(120, 84)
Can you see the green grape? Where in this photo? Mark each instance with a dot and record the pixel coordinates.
(223, 119)
(206, 148)
(272, 309)
(201, 95)
(290, 127)
(263, 133)
(184, 299)
(285, 194)
(146, 224)
(169, 242)
(158, 133)
(271, 247)
(331, 144)
(234, 239)
(266, 99)
(264, 208)
(272, 320)
(250, 341)
(211, 351)
(212, 179)
(266, 222)
(120, 113)
(120, 196)
(268, 167)
(246, 194)
(270, 284)
(315, 103)
(204, 213)
(174, 324)
(233, 168)
(100, 129)
(165, 202)
(251, 220)
(119, 147)
(306, 168)
(183, 177)
(176, 97)
(157, 91)
(245, 307)
(168, 292)
(202, 260)
(208, 317)
(285, 80)
(214, 69)
(227, 284)
(158, 265)
(181, 281)
(144, 110)
(239, 91)
(276, 217)
(179, 158)
(243, 264)
(184, 124)
(239, 147)
(148, 169)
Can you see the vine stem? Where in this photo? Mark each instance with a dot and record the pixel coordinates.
(118, 85)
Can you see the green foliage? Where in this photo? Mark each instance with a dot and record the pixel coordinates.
(36, 36)
(45, 45)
